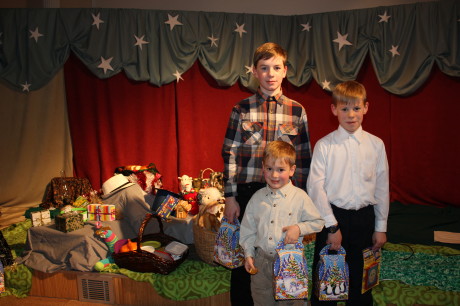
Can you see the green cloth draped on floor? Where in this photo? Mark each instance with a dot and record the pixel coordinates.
(410, 274)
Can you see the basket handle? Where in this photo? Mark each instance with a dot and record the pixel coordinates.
(203, 171)
(142, 227)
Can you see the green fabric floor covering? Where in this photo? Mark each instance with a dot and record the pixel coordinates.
(410, 274)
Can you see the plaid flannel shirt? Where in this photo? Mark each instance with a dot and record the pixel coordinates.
(253, 123)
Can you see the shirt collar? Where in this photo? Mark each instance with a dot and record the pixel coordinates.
(261, 97)
(358, 134)
(283, 191)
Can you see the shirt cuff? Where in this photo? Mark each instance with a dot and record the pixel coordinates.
(330, 220)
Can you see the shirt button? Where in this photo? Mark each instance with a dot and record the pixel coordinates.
(269, 238)
(290, 214)
(272, 221)
(274, 205)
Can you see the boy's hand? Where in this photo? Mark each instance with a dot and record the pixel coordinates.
(232, 209)
(378, 239)
(292, 234)
(249, 265)
(335, 240)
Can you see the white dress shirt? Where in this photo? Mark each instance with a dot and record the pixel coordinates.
(351, 172)
(268, 212)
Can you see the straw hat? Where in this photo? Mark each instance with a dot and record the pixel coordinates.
(115, 184)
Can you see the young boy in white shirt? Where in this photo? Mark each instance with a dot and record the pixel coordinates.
(349, 184)
(279, 211)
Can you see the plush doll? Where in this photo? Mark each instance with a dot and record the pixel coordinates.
(110, 239)
(211, 208)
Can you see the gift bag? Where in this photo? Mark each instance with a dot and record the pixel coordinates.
(227, 250)
(64, 190)
(371, 269)
(167, 207)
(333, 276)
(290, 273)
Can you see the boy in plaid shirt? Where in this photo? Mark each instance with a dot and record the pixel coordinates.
(266, 116)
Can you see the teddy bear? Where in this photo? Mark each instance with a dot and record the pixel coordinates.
(211, 208)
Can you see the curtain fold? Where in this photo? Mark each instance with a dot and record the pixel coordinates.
(403, 41)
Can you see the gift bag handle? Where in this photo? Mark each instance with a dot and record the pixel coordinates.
(325, 250)
(281, 245)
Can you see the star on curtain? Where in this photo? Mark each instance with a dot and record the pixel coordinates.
(213, 40)
(394, 51)
(249, 68)
(326, 84)
(342, 40)
(384, 17)
(105, 64)
(97, 20)
(25, 87)
(306, 26)
(240, 29)
(178, 76)
(35, 34)
(172, 21)
(140, 41)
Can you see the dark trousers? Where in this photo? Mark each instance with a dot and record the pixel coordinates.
(357, 227)
(240, 280)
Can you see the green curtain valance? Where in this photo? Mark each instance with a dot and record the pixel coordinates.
(402, 41)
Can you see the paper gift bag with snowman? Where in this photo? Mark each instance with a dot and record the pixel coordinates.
(333, 276)
(290, 273)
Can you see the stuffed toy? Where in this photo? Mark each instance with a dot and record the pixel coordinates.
(110, 239)
(211, 208)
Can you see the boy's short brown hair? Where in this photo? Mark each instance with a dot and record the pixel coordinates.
(267, 51)
(280, 149)
(349, 92)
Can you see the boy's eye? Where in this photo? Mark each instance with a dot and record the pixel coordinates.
(356, 109)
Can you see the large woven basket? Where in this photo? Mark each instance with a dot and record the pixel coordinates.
(204, 241)
(143, 261)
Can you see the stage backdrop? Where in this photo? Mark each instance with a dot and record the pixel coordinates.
(180, 127)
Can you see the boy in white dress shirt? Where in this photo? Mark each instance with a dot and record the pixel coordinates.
(348, 182)
(279, 211)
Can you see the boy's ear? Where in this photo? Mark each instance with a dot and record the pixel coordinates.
(334, 109)
(366, 107)
(292, 170)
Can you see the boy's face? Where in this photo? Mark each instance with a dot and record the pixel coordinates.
(350, 115)
(270, 73)
(277, 172)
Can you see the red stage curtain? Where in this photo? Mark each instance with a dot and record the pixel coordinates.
(180, 127)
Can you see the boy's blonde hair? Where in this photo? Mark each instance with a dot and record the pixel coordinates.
(267, 51)
(349, 92)
(280, 149)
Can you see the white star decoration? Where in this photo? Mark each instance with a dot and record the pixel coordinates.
(326, 84)
(35, 34)
(25, 87)
(342, 40)
(140, 41)
(178, 76)
(97, 20)
(172, 21)
(249, 68)
(306, 27)
(105, 64)
(394, 50)
(213, 40)
(240, 29)
(384, 17)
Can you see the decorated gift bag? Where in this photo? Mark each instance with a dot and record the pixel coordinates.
(371, 269)
(227, 250)
(333, 276)
(290, 273)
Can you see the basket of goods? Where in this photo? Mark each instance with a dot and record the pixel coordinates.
(207, 222)
(215, 179)
(166, 255)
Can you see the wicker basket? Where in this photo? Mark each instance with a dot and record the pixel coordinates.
(204, 241)
(143, 261)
